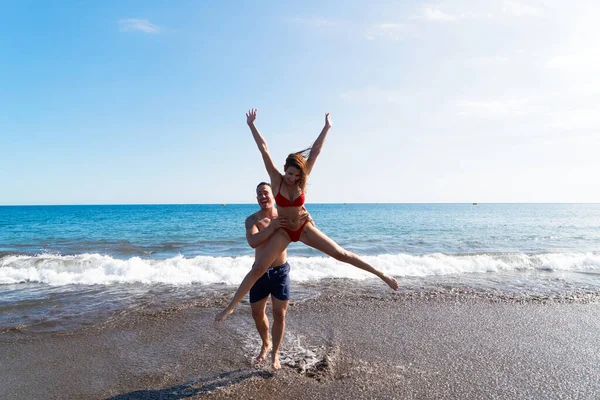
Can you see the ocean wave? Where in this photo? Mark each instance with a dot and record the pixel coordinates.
(90, 269)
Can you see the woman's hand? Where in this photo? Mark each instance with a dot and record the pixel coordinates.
(251, 116)
(305, 216)
(327, 120)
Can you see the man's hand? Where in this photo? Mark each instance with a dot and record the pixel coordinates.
(327, 120)
(279, 222)
(251, 116)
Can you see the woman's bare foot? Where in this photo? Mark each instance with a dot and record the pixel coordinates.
(391, 282)
(276, 364)
(223, 314)
(263, 352)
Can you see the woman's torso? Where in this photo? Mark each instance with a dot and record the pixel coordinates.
(290, 204)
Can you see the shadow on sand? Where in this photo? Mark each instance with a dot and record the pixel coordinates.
(195, 386)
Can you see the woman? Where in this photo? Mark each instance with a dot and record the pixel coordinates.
(289, 196)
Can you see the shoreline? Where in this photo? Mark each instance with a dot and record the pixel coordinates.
(337, 345)
(62, 309)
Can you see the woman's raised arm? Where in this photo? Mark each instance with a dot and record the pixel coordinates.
(274, 174)
(315, 149)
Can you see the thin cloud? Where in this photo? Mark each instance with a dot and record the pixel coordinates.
(314, 21)
(373, 95)
(134, 24)
(589, 59)
(494, 108)
(577, 119)
(519, 9)
(506, 8)
(434, 13)
(485, 62)
(387, 31)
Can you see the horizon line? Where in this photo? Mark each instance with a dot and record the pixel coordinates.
(316, 203)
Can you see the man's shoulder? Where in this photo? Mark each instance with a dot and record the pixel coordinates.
(252, 220)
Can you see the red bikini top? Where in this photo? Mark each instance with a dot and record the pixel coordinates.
(283, 202)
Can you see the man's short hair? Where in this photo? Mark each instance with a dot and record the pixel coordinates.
(262, 183)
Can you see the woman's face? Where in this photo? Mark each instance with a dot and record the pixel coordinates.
(292, 175)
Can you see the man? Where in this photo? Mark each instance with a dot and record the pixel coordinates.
(275, 282)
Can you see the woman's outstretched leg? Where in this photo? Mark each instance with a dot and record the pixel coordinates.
(313, 237)
(277, 243)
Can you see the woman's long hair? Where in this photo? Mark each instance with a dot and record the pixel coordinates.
(298, 160)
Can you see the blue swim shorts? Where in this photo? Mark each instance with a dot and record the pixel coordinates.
(275, 281)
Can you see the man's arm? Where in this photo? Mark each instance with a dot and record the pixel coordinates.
(255, 237)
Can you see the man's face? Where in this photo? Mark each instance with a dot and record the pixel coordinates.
(264, 196)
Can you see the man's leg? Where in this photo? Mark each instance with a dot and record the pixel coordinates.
(279, 311)
(262, 326)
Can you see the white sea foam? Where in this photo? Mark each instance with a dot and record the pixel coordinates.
(92, 269)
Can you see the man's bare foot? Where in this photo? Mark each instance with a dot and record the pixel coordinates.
(223, 314)
(276, 364)
(263, 353)
(391, 282)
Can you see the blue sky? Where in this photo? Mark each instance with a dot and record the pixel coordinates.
(451, 101)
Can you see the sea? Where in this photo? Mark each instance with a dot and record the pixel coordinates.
(68, 267)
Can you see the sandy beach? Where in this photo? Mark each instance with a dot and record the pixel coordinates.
(340, 344)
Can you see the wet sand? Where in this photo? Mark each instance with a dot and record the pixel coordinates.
(344, 346)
